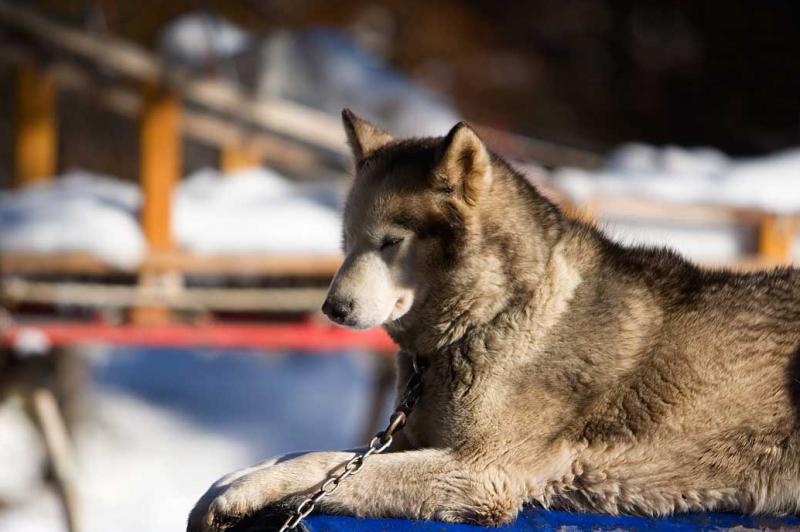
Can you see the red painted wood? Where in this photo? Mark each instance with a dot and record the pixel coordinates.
(302, 336)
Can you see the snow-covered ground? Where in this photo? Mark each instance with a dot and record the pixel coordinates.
(249, 211)
(161, 425)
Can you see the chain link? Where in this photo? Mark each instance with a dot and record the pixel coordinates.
(379, 443)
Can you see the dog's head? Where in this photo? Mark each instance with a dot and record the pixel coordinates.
(405, 219)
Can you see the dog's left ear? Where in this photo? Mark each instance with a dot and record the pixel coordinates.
(363, 137)
(465, 164)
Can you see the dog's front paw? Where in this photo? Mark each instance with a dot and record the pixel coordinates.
(230, 507)
(222, 516)
(232, 500)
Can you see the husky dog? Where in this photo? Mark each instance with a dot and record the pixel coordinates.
(562, 369)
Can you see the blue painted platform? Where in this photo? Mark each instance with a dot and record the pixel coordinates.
(551, 520)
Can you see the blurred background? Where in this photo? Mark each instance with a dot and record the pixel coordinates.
(172, 175)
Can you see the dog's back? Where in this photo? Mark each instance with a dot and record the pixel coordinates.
(687, 382)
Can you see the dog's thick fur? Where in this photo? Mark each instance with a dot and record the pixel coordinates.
(562, 369)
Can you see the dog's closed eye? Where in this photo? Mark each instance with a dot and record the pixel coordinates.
(388, 242)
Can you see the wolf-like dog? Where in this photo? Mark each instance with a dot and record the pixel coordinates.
(562, 369)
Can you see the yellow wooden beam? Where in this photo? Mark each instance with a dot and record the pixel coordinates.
(35, 147)
(239, 157)
(160, 164)
(775, 237)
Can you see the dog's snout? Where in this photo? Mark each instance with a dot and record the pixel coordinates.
(337, 310)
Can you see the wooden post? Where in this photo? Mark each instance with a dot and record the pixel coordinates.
(160, 164)
(775, 236)
(35, 149)
(160, 167)
(49, 419)
(239, 157)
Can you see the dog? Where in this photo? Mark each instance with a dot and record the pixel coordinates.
(563, 370)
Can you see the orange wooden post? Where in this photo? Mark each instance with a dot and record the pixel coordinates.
(239, 157)
(35, 149)
(775, 236)
(160, 167)
(160, 164)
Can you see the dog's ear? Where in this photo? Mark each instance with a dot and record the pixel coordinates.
(465, 165)
(363, 137)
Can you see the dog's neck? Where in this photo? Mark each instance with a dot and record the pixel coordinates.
(508, 253)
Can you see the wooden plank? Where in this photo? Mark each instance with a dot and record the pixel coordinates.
(550, 154)
(239, 156)
(31, 263)
(671, 212)
(35, 149)
(160, 164)
(155, 312)
(49, 419)
(288, 118)
(196, 124)
(116, 54)
(276, 265)
(775, 237)
(105, 296)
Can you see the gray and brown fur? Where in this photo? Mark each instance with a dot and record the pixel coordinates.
(563, 369)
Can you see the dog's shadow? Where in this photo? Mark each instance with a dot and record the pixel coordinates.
(269, 519)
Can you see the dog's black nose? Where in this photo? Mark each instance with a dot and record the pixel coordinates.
(337, 310)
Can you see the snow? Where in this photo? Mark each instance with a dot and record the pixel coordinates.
(326, 69)
(197, 38)
(321, 67)
(260, 211)
(686, 175)
(702, 176)
(19, 446)
(140, 468)
(162, 425)
(79, 211)
(250, 211)
(711, 243)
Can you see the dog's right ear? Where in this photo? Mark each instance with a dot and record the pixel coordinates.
(363, 137)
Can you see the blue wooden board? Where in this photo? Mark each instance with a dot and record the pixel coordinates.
(550, 520)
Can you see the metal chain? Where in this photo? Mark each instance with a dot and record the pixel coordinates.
(379, 443)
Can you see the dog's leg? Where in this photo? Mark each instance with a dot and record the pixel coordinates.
(420, 484)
